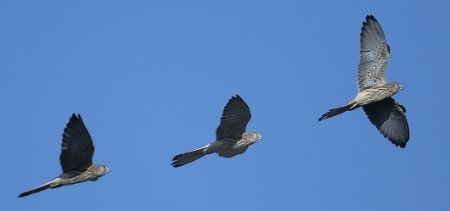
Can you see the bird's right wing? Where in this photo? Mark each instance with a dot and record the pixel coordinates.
(77, 148)
(389, 118)
(234, 120)
(374, 55)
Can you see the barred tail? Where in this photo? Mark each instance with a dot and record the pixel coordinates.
(185, 158)
(35, 190)
(336, 111)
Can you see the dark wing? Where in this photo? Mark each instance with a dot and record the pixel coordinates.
(232, 152)
(234, 120)
(374, 55)
(389, 117)
(76, 147)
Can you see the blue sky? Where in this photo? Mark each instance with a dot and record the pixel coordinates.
(150, 79)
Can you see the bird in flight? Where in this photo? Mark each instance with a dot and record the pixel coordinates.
(75, 158)
(374, 92)
(231, 138)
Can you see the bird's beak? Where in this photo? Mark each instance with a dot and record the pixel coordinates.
(259, 137)
(108, 170)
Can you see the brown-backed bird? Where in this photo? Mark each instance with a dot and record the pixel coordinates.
(77, 150)
(231, 138)
(374, 92)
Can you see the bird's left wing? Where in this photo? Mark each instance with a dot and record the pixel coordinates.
(234, 120)
(77, 148)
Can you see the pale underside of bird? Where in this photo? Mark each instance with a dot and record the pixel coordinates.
(374, 92)
(76, 155)
(231, 138)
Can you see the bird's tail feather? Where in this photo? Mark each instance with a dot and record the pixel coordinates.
(336, 111)
(185, 158)
(35, 190)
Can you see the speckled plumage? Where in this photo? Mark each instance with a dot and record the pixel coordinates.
(374, 92)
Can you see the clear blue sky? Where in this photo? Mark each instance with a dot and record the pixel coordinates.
(151, 78)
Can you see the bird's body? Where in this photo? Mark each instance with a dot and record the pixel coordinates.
(365, 97)
(374, 92)
(231, 147)
(76, 158)
(91, 174)
(231, 138)
(371, 95)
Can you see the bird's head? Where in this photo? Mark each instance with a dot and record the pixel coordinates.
(395, 87)
(101, 170)
(259, 136)
(252, 137)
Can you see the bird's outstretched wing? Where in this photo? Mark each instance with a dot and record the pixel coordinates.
(374, 55)
(234, 120)
(389, 118)
(77, 148)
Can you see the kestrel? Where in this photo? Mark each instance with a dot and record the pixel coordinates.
(231, 138)
(374, 92)
(76, 158)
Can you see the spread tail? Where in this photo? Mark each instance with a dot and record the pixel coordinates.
(336, 111)
(185, 158)
(35, 190)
